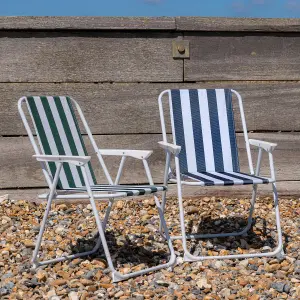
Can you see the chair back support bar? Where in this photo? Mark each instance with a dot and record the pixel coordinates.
(58, 133)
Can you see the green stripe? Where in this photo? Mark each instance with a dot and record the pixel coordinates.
(42, 136)
(81, 139)
(57, 140)
(68, 132)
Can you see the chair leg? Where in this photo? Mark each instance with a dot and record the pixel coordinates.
(117, 276)
(277, 252)
(163, 207)
(36, 263)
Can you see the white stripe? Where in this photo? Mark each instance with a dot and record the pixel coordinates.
(224, 130)
(235, 180)
(248, 177)
(188, 131)
(216, 181)
(50, 138)
(206, 131)
(75, 134)
(64, 139)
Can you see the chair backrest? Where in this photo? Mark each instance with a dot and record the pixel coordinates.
(203, 125)
(58, 133)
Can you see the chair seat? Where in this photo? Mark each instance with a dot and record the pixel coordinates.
(130, 190)
(225, 178)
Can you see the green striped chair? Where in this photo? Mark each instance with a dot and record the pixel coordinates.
(69, 173)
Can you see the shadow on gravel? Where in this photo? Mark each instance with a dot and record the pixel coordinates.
(124, 250)
(260, 234)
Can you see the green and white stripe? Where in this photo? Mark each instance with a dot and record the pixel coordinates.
(59, 134)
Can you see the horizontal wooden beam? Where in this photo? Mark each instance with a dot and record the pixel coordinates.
(87, 23)
(19, 169)
(150, 23)
(238, 56)
(237, 24)
(88, 57)
(131, 108)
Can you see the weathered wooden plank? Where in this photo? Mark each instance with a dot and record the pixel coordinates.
(90, 23)
(91, 56)
(153, 23)
(285, 189)
(237, 24)
(242, 57)
(112, 108)
(18, 169)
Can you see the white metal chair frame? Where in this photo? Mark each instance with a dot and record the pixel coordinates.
(82, 162)
(173, 149)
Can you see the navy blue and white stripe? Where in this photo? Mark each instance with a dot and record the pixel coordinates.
(203, 125)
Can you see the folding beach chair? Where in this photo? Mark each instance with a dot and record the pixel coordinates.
(69, 173)
(206, 154)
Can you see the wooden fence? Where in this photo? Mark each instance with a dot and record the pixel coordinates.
(116, 68)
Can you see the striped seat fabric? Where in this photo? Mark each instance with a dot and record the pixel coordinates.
(58, 133)
(203, 125)
(129, 190)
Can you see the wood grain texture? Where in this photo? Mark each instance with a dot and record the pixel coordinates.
(112, 108)
(91, 56)
(237, 24)
(102, 23)
(19, 169)
(242, 57)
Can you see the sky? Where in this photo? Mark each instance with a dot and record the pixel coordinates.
(204, 8)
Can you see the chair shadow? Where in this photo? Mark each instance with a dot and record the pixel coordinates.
(262, 235)
(127, 253)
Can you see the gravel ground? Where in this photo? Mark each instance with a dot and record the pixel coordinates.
(135, 244)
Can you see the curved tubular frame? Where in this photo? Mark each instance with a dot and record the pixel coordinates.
(187, 255)
(101, 224)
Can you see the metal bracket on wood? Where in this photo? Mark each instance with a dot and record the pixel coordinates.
(181, 49)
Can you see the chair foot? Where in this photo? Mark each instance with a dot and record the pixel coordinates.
(117, 277)
(187, 257)
(280, 255)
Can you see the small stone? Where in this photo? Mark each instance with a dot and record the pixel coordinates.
(29, 244)
(287, 288)
(202, 283)
(192, 210)
(60, 231)
(58, 282)
(41, 275)
(278, 286)
(119, 294)
(209, 245)
(162, 283)
(244, 263)
(73, 296)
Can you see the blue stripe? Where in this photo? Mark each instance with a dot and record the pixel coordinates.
(205, 180)
(245, 180)
(179, 130)
(215, 130)
(225, 180)
(231, 128)
(197, 130)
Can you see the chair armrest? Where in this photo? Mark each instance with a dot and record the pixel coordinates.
(170, 147)
(76, 160)
(269, 147)
(139, 154)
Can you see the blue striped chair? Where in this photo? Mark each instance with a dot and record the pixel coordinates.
(205, 149)
(69, 173)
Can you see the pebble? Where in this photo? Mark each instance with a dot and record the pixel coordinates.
(135, 244)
